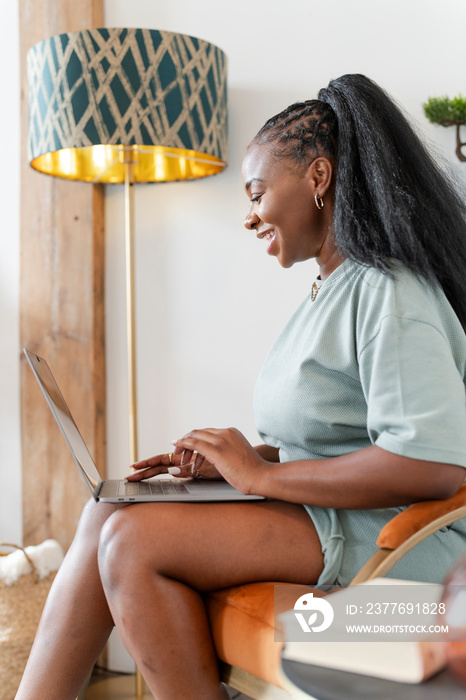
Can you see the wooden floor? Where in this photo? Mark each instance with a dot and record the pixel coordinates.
(113, 687)
(109, 686)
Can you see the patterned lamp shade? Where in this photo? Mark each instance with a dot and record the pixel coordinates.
(102, 96)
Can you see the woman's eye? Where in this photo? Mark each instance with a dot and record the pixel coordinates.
(256, 198)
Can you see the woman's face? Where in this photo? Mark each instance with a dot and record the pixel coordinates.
(283, 210)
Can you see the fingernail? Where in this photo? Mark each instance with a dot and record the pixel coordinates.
(174, 470)
(173, 442)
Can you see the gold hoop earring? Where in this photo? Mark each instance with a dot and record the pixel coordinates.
(319, 201)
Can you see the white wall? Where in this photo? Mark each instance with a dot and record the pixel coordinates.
(209, 299)
(10, 451)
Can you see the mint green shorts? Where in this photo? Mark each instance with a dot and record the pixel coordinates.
(348, 539)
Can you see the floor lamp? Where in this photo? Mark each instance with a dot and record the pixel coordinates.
(119, 105)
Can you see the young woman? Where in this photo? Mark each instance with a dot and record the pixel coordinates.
(360, 403)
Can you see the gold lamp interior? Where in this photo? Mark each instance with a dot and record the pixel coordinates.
(106, 163)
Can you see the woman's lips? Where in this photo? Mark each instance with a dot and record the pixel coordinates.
(271, 239)
(269, 235)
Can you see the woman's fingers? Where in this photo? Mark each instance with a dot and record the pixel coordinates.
(196, 440)
(186, 455)
(191, 470)
(147, 472)
(189, 459)
(167, 463)
(198, 461)
(165, 460)
(185, 464)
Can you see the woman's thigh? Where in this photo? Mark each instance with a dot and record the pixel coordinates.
(214, 545)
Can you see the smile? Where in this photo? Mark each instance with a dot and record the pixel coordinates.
(269, 237)
(266, 234)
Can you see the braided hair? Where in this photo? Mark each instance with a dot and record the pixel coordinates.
(392, 201)
(301, 131)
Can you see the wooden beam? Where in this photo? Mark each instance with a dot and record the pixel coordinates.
(61, 306)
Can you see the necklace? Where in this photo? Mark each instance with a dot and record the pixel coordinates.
(315, 288)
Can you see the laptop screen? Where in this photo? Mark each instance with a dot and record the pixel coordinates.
(65, 420)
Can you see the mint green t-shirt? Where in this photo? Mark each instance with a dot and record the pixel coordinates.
(372, 360)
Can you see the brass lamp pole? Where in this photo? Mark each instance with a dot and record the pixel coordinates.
(130, 308)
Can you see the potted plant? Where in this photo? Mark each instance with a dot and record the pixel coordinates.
(448, 112)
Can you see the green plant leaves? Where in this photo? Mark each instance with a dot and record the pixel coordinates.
(446, 111)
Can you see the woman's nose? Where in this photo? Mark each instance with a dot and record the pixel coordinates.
(251, 221)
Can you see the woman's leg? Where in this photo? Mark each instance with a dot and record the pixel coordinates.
(157, 559)
(76, 620)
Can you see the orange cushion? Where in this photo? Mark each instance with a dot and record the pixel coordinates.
(242, 623)
(417, 516)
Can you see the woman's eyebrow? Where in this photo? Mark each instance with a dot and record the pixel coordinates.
(253, 179)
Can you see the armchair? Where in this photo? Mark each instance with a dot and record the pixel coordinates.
(242, 618)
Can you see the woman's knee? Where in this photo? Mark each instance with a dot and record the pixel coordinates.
(93, 517)
(135, 539)
(121, 545)
(113, 536)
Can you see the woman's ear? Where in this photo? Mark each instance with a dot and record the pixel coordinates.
(321, 174)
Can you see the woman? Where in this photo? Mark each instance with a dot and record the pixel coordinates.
(361, 405)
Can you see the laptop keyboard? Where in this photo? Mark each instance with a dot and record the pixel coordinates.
(152, 488)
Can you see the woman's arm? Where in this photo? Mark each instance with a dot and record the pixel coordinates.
(368, 478)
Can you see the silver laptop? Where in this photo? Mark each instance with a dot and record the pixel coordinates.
(115, 490)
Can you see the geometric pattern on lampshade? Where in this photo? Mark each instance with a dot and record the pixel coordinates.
(160, 93)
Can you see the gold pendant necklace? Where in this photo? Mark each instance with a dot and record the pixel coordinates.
(314, 290)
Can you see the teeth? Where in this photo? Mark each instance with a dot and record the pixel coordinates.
(268, 236)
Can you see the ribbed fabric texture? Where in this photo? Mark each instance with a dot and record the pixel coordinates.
(372, 360)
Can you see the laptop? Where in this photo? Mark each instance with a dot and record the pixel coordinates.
(117, 490)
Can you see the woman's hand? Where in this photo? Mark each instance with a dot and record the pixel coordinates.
(176, 463)
(227, 451)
